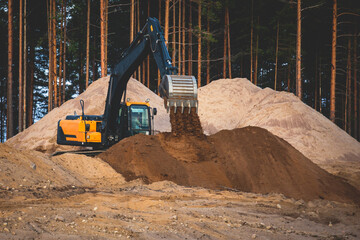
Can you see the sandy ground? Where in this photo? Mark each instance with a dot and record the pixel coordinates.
(79, 197)
(164, 210)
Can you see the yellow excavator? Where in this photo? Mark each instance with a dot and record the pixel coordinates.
(123, 118)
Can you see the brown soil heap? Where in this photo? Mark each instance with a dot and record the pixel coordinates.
(185, 123)
(249, 159)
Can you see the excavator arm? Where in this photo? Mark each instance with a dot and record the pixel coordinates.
(178, 91)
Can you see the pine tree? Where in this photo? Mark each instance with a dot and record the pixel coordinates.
(251, 41)
(333, 63)
(356, 117)
(228, 40)
(199, 44)
(87, 44)
(9, 109)
(24, 116)
(190, 40)
(20, 67)
(276, 55)
(103, 36)
(298, 52)
(167, 2)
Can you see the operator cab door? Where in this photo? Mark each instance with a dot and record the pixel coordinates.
(122, 122)
(139, 120)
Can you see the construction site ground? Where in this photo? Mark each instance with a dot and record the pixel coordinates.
(164, 210)
(268, 167)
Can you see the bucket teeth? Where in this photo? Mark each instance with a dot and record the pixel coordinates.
(179, 91)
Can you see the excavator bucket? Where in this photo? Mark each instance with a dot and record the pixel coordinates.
(180, 92)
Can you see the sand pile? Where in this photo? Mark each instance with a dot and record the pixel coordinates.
(249, 159)
(26, 168)
(233, 103)
(223, 104)
(42, 135)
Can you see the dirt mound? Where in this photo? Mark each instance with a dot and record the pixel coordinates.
(185, 123)
(26, 168)
(249, 159)
(41, 136)
(236, 103)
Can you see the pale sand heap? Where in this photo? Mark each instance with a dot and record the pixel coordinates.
(236, 103)
(223, 104)
(42, 135)
(33, 169)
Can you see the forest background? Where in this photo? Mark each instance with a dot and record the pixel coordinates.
(309, 48)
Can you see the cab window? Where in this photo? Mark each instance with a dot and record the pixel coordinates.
(139, 117)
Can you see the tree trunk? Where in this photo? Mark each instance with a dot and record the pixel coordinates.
(137, 30)
(148, 57)
(20, 67)
(94, 65)
(190, 40)
(298, 52)
(225, 46)
(31, 85)
(106, 35)
(256, 56)
(349, 87)
(24, 73)
(320, 100)
(183, 37)
(9, 109)
(333, 63)
(288, 77)
(179, 43)
(49, 14)
(356, 117)
(199, 44)
(256, 60)
(228, 39)
(87, 44)
(251, 41)
(61, 56)
(54, 51)
(174, 33)
(167, 2)
(276, 55)
(102, 33)
(316, 83)
(159, 77)
(64, 56)
(345, 123)
(208, 50)
(132, 21)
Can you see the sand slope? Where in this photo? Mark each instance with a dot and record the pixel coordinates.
(27, 168)
(232, 103)
(223, 104)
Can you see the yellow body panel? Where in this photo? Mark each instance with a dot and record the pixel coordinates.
(74, 130)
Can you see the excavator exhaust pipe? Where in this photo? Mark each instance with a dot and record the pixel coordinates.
(179, 91)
